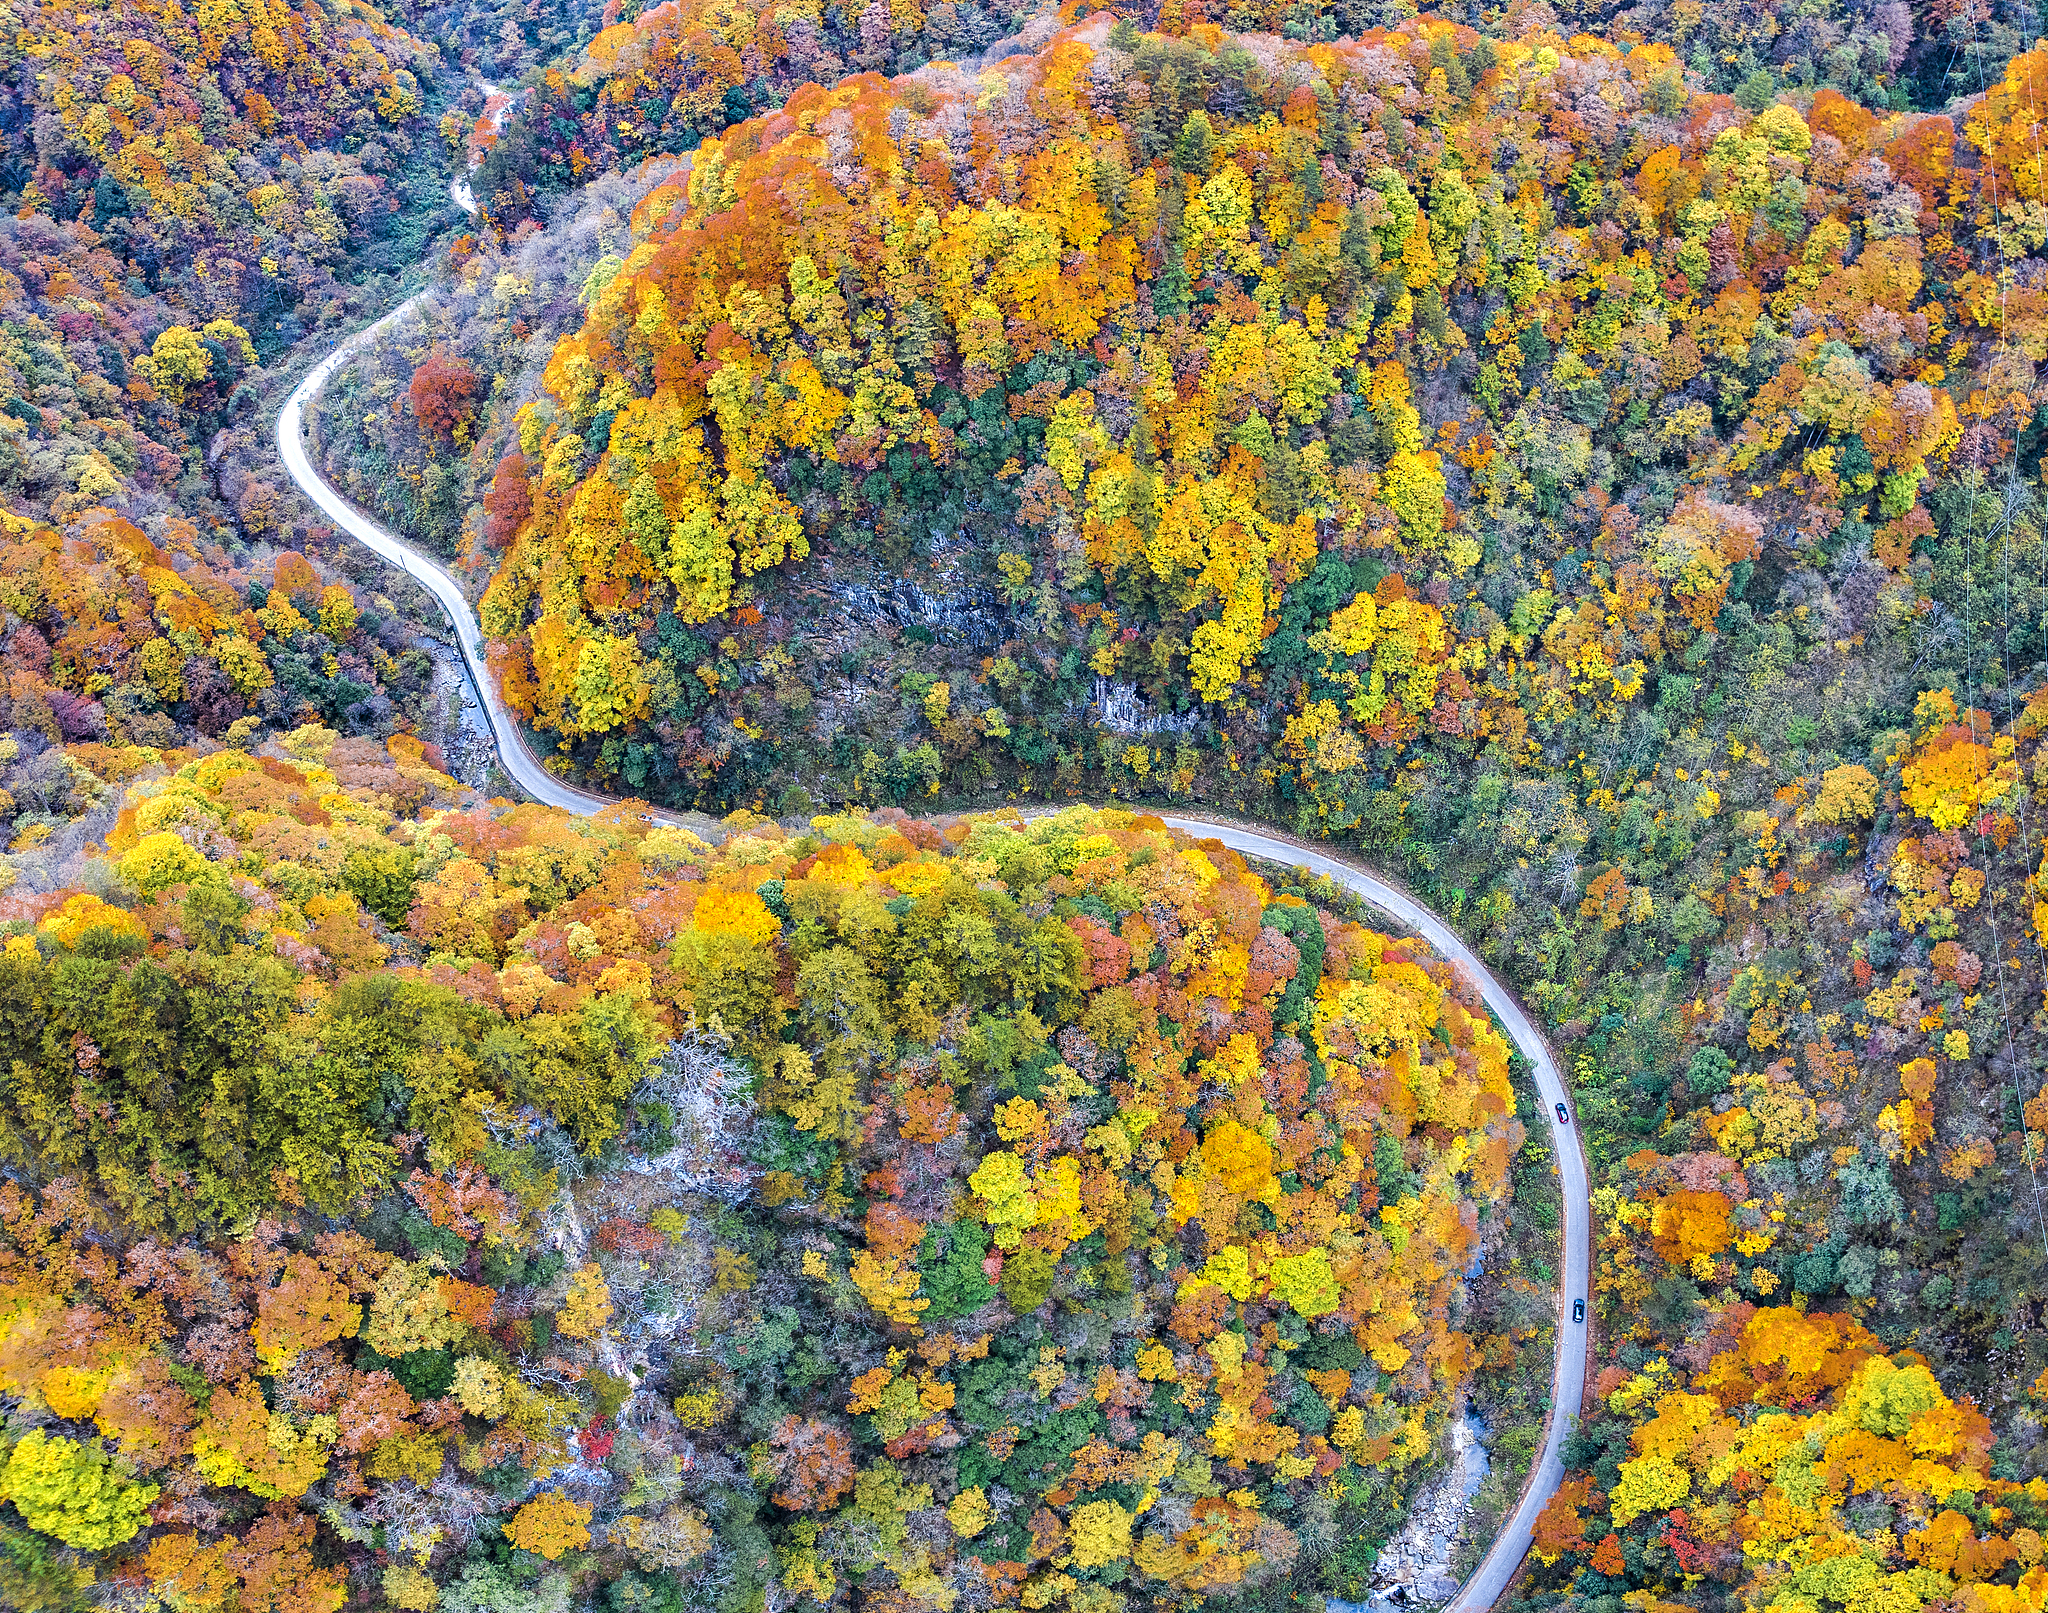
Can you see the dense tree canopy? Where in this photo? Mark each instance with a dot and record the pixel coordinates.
(1101, 1203)
(1414, 411)
(1585, 457)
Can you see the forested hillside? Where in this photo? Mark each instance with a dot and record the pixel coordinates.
(190, 197)
(658, 78)
(234, 159)
(1595, 472)
(1584, 459)
(893, 1206)
(1604, 377)
(501, 40)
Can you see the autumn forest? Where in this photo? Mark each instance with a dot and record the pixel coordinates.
(871, 467)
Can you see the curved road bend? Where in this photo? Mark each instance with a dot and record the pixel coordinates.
(1490, 1579)
(1568, 1373)
(430, 574)
(292, 434)
(459, 192)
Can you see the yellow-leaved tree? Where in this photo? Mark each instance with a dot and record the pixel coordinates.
(550, 1525)
(588, 1305)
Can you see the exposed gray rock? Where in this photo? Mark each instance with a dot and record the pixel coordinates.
(1414, 1570)
(1121, 709)
(975, 617)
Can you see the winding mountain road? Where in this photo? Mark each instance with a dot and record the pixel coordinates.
(293, 438)
(1491, 1578)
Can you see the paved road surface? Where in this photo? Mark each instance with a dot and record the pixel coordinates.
(518, 761)
(1568, 1374)
(1491, 1578)
(292, 440)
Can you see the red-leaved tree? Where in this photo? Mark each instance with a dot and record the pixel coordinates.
(813, 1461)
(508, 503)
(444, 393)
